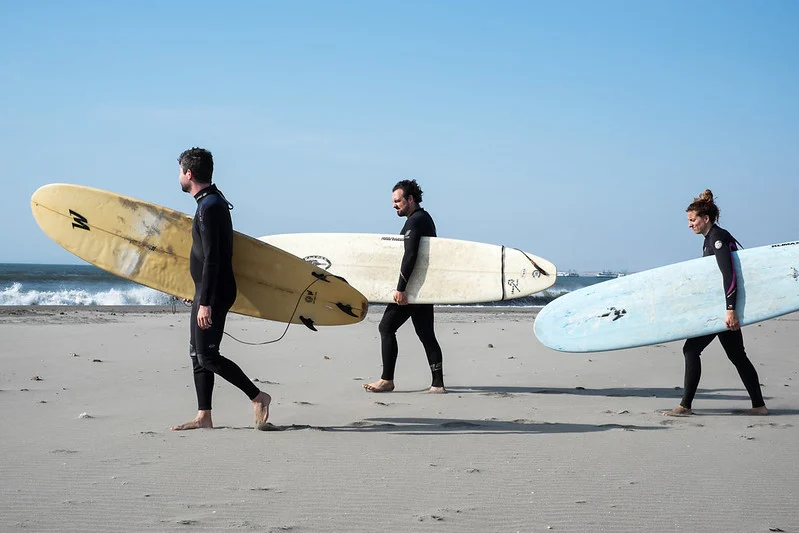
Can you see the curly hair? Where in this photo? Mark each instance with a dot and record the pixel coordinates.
(409, 188)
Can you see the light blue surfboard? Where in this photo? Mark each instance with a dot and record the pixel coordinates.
(672, 302)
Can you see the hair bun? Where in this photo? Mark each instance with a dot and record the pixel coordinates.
(706, 196)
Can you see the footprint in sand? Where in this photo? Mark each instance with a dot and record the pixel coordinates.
(498, 394)
(367, 424)
(293, 427)
(680, 422)
(769, 424)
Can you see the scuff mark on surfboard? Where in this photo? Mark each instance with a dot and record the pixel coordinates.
(128, 262)
(149, 225)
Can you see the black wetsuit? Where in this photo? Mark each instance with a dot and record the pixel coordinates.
(720, 243)
(419, 224)
(211, 266)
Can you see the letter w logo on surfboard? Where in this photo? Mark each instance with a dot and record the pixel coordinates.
(79, 221)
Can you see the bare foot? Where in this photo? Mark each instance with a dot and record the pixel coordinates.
(381, 385)
(678, 411)
(201, 421)
(261, 407)
(437, 390)
(755, 411)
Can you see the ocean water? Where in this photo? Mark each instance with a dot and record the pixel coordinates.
(30, 284)
(27, 284)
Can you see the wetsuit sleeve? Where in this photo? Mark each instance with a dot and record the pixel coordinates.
(413, 236)
(723, 249)
(210, 235)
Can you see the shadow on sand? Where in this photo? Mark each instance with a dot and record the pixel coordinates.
(439, 426)
(618, 392)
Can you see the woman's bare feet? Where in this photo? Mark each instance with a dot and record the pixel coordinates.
(678, 411)
(260, 405)
(201, 421)
(381, 385)
(437, 390)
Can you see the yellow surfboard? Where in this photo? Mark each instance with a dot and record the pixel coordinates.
(150, 244)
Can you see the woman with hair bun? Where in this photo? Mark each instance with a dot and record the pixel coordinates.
(702, 217)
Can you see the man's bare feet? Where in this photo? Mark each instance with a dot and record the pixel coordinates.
(381, 385)
(755, 411)
(201, 421)
(437, 390)
(260, 405)
(678, 411)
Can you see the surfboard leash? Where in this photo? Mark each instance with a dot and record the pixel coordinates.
(535, 265)
(306, 321)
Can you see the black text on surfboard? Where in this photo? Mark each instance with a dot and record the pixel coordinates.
(79, 221)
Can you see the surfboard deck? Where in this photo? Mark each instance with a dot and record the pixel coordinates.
(447, 271)
(673, 302)
(150, 245)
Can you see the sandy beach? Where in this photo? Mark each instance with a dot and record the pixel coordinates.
(528, 439)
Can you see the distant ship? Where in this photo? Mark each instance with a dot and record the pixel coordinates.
(569, 274)
(608, 274)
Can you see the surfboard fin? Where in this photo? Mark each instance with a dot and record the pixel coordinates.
(320, 276)
(347, 308)
(308, 323)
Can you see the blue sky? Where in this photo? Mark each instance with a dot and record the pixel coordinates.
(577, 131)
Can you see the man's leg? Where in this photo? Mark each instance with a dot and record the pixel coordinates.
(393, 317)
(424, 323)
(203, 382)
(207, 343)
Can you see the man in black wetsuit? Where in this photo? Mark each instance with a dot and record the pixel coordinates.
(211, 266)
(407, 195)
(702, 217)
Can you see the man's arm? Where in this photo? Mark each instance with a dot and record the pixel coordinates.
(412, 239)
(209, 231)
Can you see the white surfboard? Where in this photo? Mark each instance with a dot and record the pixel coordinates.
(673, 302)
(448, 271)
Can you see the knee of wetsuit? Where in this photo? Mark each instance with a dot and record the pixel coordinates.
(208, 359)
(195, 363)
(737, 358)
(689, 352)
(386, 328)
(426, 336)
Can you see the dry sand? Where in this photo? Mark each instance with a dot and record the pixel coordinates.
(528, 439)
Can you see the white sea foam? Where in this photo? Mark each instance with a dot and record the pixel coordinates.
(16, 295)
